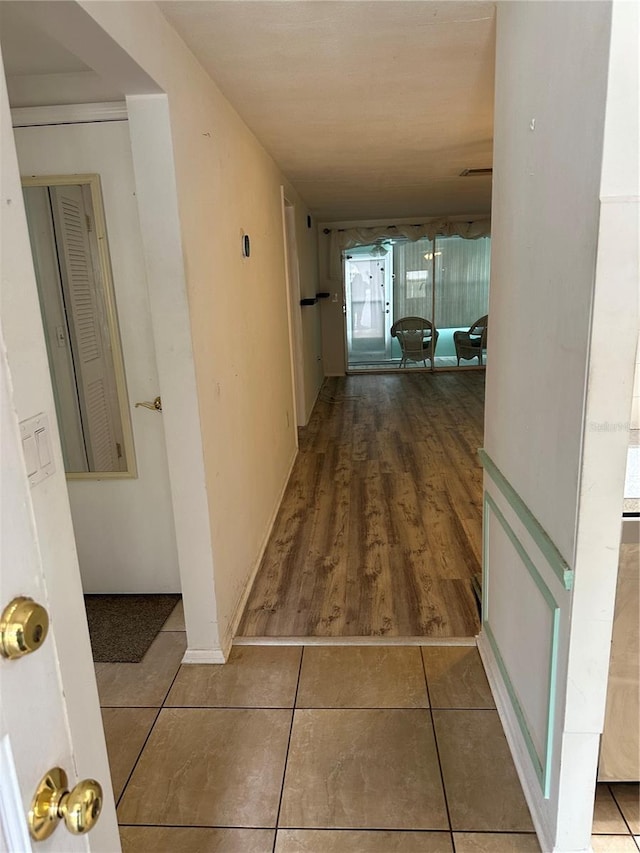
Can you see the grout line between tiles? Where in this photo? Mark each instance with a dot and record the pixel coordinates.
(153, 725)
(435, 741)
(135, 763)
(191, 826)
(286, 757)
(619, 807)
(332, 829)
(313, 708)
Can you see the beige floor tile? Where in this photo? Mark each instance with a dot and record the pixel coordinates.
(456, 677)
(363, 769)
(363, 841)
(210, 767)
(362, 677)
(164, 839)
(492, 842)
(254, 676)
(606, 814)
(613, 844)
(483, 790)
(125, 730)
(145, 683)
(627, 795)
(175, 622)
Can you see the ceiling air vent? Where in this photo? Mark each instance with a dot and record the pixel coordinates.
(475, 173)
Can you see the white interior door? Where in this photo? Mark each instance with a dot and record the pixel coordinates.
(34, 735)
(49, 714)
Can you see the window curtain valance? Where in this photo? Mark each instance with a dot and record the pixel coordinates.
(340, 240)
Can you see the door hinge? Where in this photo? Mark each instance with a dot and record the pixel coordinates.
(119, 450)
(88, 221)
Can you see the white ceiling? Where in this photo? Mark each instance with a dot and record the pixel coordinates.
(372, 108)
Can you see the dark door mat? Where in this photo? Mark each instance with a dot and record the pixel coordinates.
(122, 627)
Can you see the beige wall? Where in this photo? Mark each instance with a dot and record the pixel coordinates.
(226, 184)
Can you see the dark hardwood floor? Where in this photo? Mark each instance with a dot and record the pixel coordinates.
(380, 529)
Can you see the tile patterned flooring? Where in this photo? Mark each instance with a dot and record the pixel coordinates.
(321, 750)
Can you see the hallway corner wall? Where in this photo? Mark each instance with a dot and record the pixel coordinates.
(562, 287)
(226, 185)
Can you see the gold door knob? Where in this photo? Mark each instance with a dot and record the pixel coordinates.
(79, 807)
(23, 627)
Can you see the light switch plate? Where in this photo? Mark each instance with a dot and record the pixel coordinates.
(36, 446)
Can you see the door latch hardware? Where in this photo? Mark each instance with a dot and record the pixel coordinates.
(79, 807)
(23, 627)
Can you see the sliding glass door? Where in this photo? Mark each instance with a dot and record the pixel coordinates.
(462, 291)
(445, 281)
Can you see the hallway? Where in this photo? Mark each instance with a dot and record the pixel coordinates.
(380, 529)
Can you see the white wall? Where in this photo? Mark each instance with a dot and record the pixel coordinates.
(124, 528)
(564, 289)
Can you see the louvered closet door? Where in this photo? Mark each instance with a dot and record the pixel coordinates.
(90, 354)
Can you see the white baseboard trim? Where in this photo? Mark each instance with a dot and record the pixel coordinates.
(231, 631)
(204, 656)
(354, 641)
(526, 772)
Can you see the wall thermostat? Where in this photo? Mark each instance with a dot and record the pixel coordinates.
(246, 246)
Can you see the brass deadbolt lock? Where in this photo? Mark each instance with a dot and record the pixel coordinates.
(23, 627)
(79, 807)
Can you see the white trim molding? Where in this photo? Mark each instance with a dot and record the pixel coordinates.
(68, 114)
(512, 729)
(204, 656)
(540, 761)
(355, 641)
